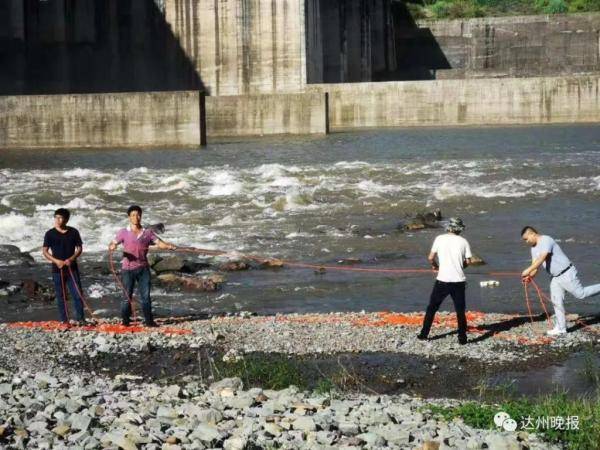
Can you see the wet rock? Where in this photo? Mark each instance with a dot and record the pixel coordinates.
(477, 261)
(169, 264)
(189, 283)
(422, 221)
(154, 259)
(7, 251)
(35, 291)
(234, 266)
(11, 255)
(271, 264)
(7, 289)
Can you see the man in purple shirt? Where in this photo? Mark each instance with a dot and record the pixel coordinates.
(136, 241)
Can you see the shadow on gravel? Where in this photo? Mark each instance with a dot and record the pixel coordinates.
(505, 325)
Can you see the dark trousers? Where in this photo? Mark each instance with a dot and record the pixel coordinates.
(440, 291)
(61, 283)
(141, 277)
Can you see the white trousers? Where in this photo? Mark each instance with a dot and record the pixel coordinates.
(568, 282)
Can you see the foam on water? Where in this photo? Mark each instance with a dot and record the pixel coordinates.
(222, 207)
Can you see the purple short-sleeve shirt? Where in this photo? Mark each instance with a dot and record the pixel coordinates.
(135, 247)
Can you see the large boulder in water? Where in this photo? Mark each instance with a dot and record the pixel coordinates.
(477, 261)
(11, 255)
(9, 250)
(234, 266)
(35, 291)
(169, 264)
(422, 221)
(209, 283)
(177, 264)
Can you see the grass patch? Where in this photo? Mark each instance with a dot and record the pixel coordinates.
(541, 410)
(277, 372)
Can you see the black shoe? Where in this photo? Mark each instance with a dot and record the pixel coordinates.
(126, 323)
(421, 337)
(152, 324)
(462, 340)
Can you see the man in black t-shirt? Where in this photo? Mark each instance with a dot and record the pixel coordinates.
(62, 247)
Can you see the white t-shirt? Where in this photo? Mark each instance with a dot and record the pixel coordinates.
(452, 250)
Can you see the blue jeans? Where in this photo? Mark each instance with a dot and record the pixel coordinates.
(140, 276)
(61, 295)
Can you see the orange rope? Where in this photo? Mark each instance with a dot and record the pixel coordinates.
(526, 288)
(81, 296)
(119, 283)
(541, 296)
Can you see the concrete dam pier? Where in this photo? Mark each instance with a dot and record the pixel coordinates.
(96, 73)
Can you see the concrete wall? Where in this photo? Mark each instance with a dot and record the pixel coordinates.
(101, 120)
(242, 46)
(88, 46)
(258, 115)
(463, 102)
(521, 46)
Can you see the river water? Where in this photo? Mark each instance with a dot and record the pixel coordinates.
(319, 200)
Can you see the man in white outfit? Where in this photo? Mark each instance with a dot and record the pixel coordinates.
(545, 251)
(453, 254)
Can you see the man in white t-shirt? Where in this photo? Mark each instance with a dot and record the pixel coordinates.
(453, 255)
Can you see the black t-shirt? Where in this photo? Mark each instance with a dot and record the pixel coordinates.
(62, 245)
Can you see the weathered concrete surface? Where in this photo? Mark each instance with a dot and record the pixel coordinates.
(258, 115)
(89, 46)
(521, 46)
(463, 102)
(349, 40)
(242, 46)
(101, 120)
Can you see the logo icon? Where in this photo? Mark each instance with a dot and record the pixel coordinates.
(503, 420)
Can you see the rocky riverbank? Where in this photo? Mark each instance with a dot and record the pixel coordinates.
(101, 386)
(84, 411)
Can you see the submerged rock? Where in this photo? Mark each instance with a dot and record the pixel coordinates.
(422, 221)
(234, 266)
(210, 283)
(477, 261)
(35, 291)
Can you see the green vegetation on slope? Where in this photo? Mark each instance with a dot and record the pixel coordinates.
(455, 9)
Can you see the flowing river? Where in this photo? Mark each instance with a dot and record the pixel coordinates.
(319, 200)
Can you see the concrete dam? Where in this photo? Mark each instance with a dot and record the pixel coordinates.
(100, 73)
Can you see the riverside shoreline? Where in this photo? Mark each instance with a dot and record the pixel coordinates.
(90, 389)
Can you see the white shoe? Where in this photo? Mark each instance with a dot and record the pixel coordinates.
(555, 332)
